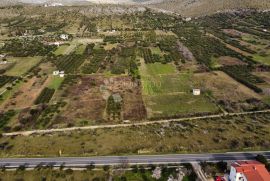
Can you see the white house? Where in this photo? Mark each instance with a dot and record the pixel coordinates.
(64, 36)
(248, 171)
(62, 73)
(196, 92)
(3, 62)
(188, 19)
(56, 72)
(57, 43)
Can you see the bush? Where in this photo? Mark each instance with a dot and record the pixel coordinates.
(262, 159)
(45, 96)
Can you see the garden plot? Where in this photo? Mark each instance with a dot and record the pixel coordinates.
(228, 92)
(264, 86)
(167, 93)
(80, 49)
(225, 61)
(87, 100)
(61, 50)
(26, 94)
(22, 65)
(261, 46)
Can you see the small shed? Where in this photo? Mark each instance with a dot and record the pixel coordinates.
(3, 62)
(196, 92)
(64, 36)
(62, 73)
(56, 72)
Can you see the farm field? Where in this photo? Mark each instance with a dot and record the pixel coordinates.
(167, 93)
(61, 50)
(225, 61)
(22, 65)
(8, 93)
(55, 82)
(159, 69)
(80, 49)
(223, 88)
(87, 101)
(26, 94)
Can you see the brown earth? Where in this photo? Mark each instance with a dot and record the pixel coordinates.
(87, 99)
(25, 96)
(233, 32)
(228, 92)
(227, 61)
(224, 87)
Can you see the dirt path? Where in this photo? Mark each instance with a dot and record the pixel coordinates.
(27, 133)
(198, 170)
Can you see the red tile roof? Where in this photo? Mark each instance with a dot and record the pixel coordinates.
(253, 170)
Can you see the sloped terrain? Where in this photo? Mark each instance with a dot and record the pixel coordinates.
(205, 7)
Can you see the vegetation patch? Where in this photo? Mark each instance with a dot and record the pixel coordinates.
(170, 94)
(208, 135)
(45, 96)
(22, 65)
(69, 63)
(243, 75)
(5, 118)
(6, 79)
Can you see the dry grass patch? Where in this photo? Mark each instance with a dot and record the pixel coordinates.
(224, 87)
(26, 94)
(87, 100)
(209, 135)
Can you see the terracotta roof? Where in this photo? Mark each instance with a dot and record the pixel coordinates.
(253, 170)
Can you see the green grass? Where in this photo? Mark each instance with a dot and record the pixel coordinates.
(80, 49)
(9, 93)
(167, 93)
(61, 50)
(156, 50)
(262, 59)
(55, 82)
(260, 44)
(22, 65)
(214, 62)
(267, 100)
(158, 68)
(162, 84)
(136, 176)
(248, 37)
(66, 49)
(168, 105)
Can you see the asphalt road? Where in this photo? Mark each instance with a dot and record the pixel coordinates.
(134, 159)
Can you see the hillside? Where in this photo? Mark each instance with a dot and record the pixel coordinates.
(205, 7)
(8, 2)
(183, 7)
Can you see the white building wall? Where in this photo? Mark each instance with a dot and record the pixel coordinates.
(234, 176)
